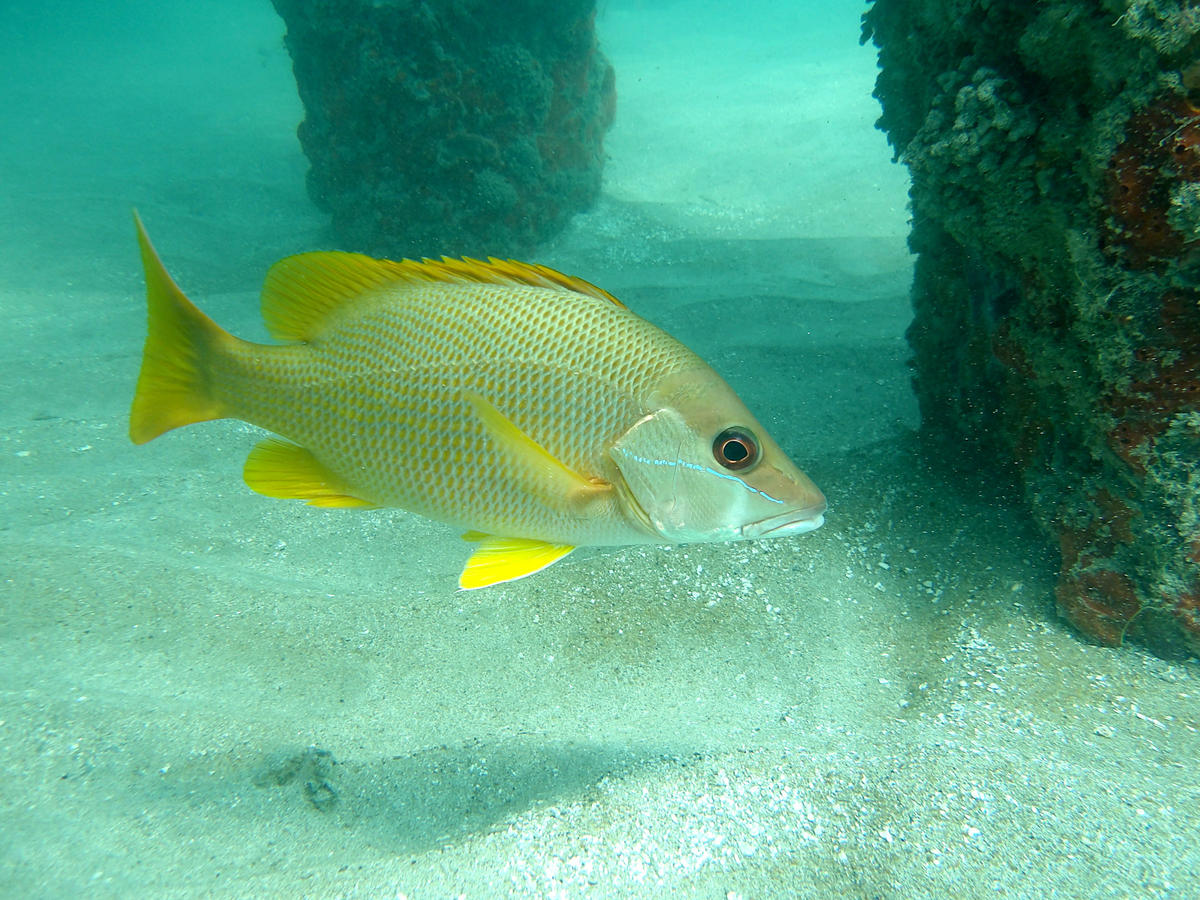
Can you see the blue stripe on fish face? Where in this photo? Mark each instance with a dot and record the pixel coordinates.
(696, 467)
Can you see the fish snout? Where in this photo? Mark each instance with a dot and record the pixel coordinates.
(794, 521)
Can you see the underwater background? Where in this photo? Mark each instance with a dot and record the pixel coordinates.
(206, 692)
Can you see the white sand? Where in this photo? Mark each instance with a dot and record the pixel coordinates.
(884, 708)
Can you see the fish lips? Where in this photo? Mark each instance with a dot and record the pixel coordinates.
(794, 521)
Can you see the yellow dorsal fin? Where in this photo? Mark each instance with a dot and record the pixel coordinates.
(541, 474)
(277, 468)
(503, 271)
(500, 559)
(301, 291)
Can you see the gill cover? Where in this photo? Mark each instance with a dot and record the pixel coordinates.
(679, 488)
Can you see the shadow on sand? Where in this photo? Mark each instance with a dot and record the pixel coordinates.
(413, 802)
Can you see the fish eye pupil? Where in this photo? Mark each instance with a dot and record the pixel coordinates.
(735, 448)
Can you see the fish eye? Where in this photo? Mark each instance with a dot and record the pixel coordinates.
(735, 448)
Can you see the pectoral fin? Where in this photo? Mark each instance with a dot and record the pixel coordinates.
(500, 559)
(282, 469)
(540, 473)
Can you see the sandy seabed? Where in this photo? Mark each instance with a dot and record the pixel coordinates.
(207, 693)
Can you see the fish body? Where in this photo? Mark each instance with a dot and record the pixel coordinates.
(530, 408)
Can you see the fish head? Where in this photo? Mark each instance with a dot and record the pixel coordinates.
(700, 467)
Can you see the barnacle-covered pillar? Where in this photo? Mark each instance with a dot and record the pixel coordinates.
(450, 126)
(1054, 149)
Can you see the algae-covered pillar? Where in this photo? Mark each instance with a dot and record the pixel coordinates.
(1054, 149)
(450, 126)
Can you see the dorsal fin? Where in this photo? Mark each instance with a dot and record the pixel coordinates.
(300, 291)
(502, 271)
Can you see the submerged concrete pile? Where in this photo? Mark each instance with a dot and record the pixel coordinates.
(450, 126)
(1054, 149)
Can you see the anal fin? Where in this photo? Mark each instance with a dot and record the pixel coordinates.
(278, 468)
(501, 559)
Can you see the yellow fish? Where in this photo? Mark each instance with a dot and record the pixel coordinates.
(527, 406)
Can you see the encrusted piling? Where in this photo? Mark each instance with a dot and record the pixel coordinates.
(450, 127)
(1054, 149)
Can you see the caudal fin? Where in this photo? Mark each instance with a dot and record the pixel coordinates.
(173, 388)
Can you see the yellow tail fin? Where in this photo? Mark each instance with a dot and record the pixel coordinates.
(173, 387)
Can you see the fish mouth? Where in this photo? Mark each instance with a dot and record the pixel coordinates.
(794, 521)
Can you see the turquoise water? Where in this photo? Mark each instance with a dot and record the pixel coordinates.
(205, 692)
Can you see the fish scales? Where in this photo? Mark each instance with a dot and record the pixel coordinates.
(382, 385)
